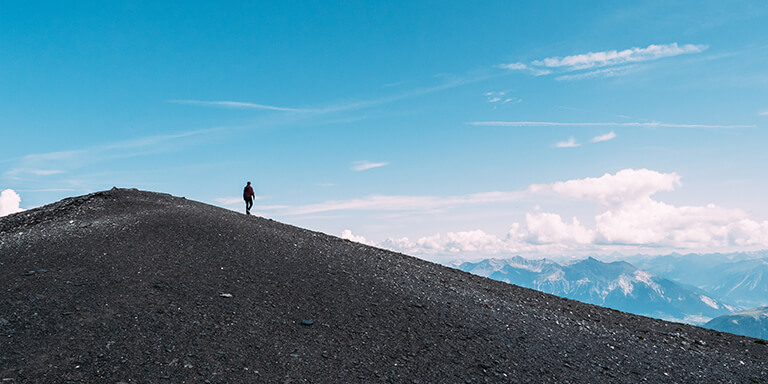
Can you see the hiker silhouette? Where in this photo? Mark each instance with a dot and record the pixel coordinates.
(248, 196)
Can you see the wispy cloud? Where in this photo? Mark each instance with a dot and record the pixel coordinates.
(238, 105)
(400, 203)
(514, 66)
(605, 72)
(618, 61)
(36, 172)
(609, 124)
(608, 136)
(47, 190)
(365, 165)
(570, 143)
(232, 200)
(346, 105)
(525, 68)
(55, 156)
(501, 98)
(46, 172)
(39, 164)
(607, 58)
(764, 113)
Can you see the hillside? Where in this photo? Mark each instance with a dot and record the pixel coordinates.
(136, 287)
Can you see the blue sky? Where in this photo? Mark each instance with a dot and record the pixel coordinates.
(440, 129)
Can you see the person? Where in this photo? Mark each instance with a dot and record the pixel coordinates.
(248, 196)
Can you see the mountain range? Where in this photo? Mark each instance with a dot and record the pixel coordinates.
(738, 278)
(618, 285)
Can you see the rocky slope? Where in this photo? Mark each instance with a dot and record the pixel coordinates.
(137, 287)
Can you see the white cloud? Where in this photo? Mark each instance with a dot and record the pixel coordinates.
(606, 58)
(550, 228)
(633, 217)
(764, 113)
(347, 234)
(608, 136)
(649, 222)
(9, 202)
(570, 143)
(578, 124)
(366, 165)
(624, 186)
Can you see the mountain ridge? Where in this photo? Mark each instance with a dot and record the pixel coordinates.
(132, 286)
(752, 322)
(618, 285)
(739, 278)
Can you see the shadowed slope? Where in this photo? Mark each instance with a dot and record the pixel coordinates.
(132, 286)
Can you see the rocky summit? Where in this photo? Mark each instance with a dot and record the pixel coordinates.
(125, 286)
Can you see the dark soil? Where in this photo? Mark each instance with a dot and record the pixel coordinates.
(125, 286)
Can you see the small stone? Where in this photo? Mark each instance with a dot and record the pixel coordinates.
(307, 322)
(227, 295)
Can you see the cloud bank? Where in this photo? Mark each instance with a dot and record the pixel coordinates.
(629, 219)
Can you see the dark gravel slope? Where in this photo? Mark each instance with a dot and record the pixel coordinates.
(133, 287)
